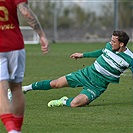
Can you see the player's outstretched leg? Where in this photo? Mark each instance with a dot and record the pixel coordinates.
(47, 84)
(41, 85)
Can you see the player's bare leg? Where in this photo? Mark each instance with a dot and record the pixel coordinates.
(17, 93)
(18, 104)
(47, 84)
(4, 103)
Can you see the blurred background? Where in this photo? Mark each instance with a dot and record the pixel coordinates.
(82, 20)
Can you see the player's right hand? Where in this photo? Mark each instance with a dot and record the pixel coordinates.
(76, 55)
(44, 44)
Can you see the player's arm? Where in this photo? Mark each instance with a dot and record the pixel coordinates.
(93, 54)
(33, 22)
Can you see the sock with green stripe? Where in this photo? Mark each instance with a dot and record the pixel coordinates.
(42, 85)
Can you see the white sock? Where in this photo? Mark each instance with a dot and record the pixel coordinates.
(28, 87)
(14, 131)
(64, 102)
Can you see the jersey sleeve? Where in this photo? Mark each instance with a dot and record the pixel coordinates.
(93, 54)
(97, 53)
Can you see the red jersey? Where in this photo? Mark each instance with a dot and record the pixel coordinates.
(10, 35)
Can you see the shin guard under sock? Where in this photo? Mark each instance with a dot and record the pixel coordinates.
(42, 85)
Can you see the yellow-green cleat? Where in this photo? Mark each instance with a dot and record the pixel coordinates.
(57, 103)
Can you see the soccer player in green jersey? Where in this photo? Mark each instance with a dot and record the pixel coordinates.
(111, 62)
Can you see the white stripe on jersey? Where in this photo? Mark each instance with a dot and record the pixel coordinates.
(128, 52)
(103, 71)
(111, 63)
(117, 58)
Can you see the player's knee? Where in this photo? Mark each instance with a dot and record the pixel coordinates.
(54, 84)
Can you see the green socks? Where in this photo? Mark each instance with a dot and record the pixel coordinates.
(42, 85)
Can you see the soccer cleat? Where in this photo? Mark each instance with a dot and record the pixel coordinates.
(26, 88)
(9, 95)
(57, 103)
(23, 90)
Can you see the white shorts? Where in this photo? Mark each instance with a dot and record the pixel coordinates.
(12, 65)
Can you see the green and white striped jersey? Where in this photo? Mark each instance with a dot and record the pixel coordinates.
(110, 64)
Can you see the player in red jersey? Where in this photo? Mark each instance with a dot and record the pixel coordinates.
(12, 60)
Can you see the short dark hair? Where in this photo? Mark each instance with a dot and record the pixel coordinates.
(122, 36)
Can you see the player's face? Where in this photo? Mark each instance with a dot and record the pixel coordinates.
(115, 43)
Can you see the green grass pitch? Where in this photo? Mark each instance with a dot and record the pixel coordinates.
(112, 112)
